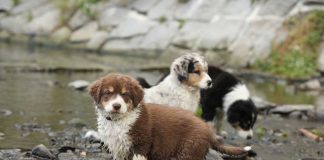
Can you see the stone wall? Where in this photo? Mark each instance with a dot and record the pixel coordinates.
(235, 31)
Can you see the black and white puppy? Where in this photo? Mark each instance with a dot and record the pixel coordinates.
(232, 96)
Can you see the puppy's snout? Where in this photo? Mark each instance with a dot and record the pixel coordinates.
(116, 106)
(249, 137)
(209, 83)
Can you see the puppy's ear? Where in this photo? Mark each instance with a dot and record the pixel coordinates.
(95, 89)
(137, 93)
(181, 70)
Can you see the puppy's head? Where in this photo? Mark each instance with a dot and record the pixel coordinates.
(116, 94)
(191, 69)
(242, 115)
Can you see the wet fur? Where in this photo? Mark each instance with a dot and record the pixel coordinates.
(151, 131)
(181, 87)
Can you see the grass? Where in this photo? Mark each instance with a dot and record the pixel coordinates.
(296, 56)
(15, 2)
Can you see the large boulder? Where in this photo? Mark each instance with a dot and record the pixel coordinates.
(27, 5)
(44, 24)
(123, 45)
(84, 33)
(113, 16)
(254, 42)
(61, 35)
(14, 24)
(134, 25)
(97, 40)
(277, 8)
(160, 36)
(165, 8)
(78, 20)
(321, 59)
(143, 5)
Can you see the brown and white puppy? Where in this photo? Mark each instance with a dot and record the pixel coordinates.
(134, 130)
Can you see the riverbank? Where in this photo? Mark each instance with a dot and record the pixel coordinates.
(236, 32)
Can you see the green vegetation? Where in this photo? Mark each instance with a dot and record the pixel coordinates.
(181, 23)
(15, 2)
(296, 56)
(85, 7)
(162, 19)
(198, 112)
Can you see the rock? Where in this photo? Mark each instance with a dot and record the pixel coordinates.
(262, 104)
(123, 45)
(254, 42)
(319, 103)
(313, 84)
(165, 8)
(287, 109)
(10, 154)
(200, 11)
(78, 20)
(44, 24)
(5, 112)
(6, 5)
(79, 84)
(97, 40)
(219, 35)
(84, 33)
(61, 35)
(42, 152)
(113, 16)
(134, 25)
(14, 24)
(160, 36)
(189, 34)
(277, 8)
(67, 155)
(321, 59)
(77, 122)
(27, 5)
(143, 5)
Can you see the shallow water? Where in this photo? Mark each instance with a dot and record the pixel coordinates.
(45, 98)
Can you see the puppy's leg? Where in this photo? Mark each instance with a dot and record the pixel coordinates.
(219, 120)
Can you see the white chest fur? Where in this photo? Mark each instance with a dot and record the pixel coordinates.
(115, 134)
(171, 93)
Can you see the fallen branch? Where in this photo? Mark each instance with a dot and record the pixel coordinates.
(310, 135)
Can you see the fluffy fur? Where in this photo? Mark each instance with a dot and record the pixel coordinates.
(181, 88)
(232, 96)
(149, 131)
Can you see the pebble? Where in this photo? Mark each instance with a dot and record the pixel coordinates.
(5, 112)
(79, 84)
(42, 151)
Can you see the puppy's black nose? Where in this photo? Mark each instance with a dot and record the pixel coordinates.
(249, 137)
(116, 106)
(209, 83)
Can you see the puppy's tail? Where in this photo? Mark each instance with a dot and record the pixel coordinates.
(232, 151)
(143, 82)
